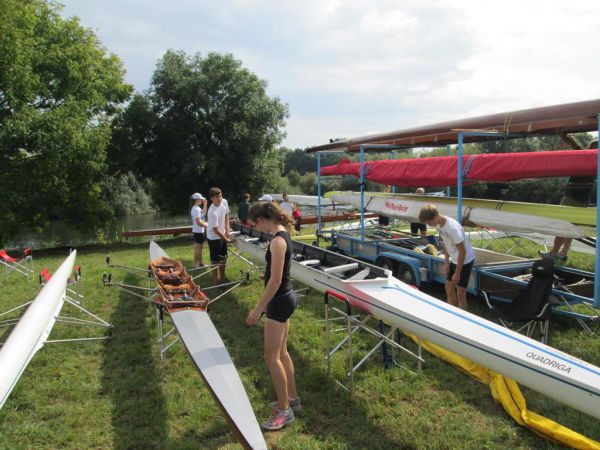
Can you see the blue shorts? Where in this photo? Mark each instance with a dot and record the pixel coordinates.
(199, 238)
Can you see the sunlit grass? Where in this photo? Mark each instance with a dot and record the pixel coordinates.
(118, 394)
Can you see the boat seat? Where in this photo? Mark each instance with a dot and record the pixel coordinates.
(178, 287)
(360, 275)
(342, 268)
(310, 262)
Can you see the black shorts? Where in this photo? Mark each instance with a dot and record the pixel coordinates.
(199, 238)
(417, 227)
(465, 273)
(218, 250)
(281, 307)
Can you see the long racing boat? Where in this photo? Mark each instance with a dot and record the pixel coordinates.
(371, 289)
(187, 305)
(32, 330)
(408, 209)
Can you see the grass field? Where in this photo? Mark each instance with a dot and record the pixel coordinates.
(118, 394)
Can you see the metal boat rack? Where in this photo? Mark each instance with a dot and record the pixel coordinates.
(74, 297)
(355, 323)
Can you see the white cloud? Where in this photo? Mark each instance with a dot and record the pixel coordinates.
(350, 66)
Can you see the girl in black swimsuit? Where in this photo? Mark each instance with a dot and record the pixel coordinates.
(279, 302)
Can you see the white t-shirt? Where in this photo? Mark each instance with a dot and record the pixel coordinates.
(197, 214)
(287, 207)
(216, 218)
(452, 233)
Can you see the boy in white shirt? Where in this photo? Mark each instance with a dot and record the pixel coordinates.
(457, 250)
(218, 234)
(286, 205)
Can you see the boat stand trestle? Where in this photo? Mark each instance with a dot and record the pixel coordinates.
(168, 339)
(22, 265)
(75, 300)
(354, 324)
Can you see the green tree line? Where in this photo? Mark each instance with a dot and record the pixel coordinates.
(77, 144)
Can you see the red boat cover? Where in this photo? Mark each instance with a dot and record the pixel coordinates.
(442, 170)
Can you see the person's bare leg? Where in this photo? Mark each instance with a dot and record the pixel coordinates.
(197, 254)
(288, 366)
(221, 272)
(558, 242)
(214, 274)
(451, 293)
(274, 333)
(566, 246)
(200, 259)
(462, 297)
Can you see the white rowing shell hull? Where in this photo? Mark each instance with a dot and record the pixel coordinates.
(309, 200)
(30, 334)
(207, 350)
(538, 366)
(156, 251)
(501, 220)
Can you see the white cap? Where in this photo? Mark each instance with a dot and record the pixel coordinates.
(197, 196)
(266, 198)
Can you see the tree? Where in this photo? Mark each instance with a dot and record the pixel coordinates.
(299, 161)
(212, 124)
(58, 89)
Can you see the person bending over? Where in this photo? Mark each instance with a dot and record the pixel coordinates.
(457, 251)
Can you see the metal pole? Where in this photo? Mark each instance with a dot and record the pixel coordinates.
(459, 180)
(362, 193)
(318, 195)
(597, 261)
(393, 156)
(448, 154)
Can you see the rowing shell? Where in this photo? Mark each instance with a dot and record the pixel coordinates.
(409, 209)
(309, 200)
(529, 362)
(207, 350)
(576, 215)
(30, 334)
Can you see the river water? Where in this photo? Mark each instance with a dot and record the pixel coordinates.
(59, 234)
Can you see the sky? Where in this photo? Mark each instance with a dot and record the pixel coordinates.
(348, 68)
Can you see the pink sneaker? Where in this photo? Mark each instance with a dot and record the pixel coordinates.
(295, 404)
(279, 419)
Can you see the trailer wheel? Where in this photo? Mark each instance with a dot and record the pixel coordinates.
(386, 264)
(406, 274)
